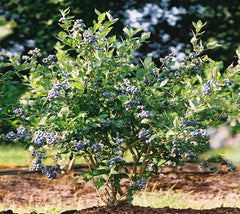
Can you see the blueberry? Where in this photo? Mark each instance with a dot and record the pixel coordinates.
(96, 147)
(206, 89)
(11, 135)
(228, 82)
(79, 145)
(223, 118)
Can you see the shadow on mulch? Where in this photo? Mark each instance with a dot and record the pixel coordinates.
(130, 209)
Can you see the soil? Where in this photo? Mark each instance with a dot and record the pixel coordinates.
(81, 197)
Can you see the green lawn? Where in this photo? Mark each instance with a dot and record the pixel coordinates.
(15, 155)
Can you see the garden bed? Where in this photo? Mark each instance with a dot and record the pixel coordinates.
(204, 190)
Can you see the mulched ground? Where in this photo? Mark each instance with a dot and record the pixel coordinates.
(81, 197)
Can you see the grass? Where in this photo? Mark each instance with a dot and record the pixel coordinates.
(15, 155)
(40, 208)
(230, 153)
(179, 200)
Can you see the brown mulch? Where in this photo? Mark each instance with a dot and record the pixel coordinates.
(35, 189)
(130, 209)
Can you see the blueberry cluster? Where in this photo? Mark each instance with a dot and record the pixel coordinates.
(168, 58)
(37, 164)
(228, 82)
(79, 25)
(34, 54)
(192, 55)
(56, 91)
(140, 184)
(49, 59)
(63, 73)
(96, 147)
(39, 138)
(190, 156)
(177, 147)
(51, 138)
(131, 89)
(87, 37)
(199, 133)
(118, 141)
(132, 102)
(79, 145)
(143, 133)
(42, 137)
(106, 123)
(11, 135)
(18, 111)
(115, 160)
(177, 74)
(50, 173)
(206, 89)
(144, 114)
(193, 123)
(223, 118)
(151, 78)
(148, 142)
(106, 94)
(21, 132)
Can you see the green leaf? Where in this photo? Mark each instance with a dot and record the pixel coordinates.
(103, 168)
(164, 82)
(63, 112)
(147, 62)
(101, 17)
(103, 177)
(97, 12)
(42, 122)
(200, 79)
(127, 30)
(118, 123)
(212, 45)
(98, 183)
(193, 107)
(77, 84)
(75, 180)
(114, 172)
(112, 39)
(145, 35)
(96, 26)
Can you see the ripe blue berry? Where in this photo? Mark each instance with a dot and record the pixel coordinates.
(79, 145)
(143, 133)
(116, 159)
(11, 135)
(96, 147)
(21, 132)
(228, 82)
(144, 114)
(206, 89)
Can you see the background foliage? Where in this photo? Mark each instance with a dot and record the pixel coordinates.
(168, 20)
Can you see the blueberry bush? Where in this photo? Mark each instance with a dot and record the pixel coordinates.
(93, 100)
